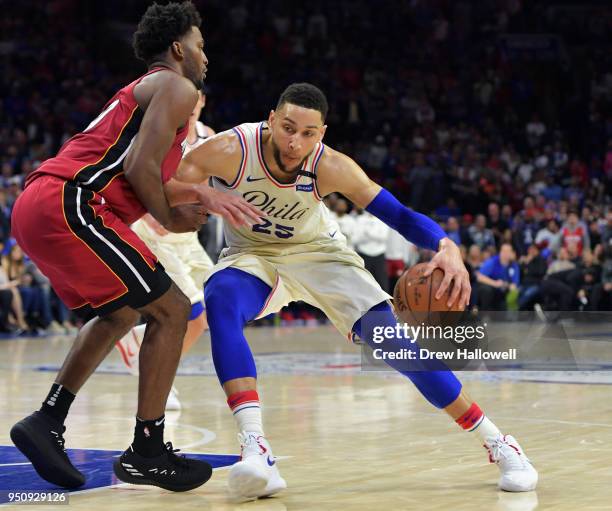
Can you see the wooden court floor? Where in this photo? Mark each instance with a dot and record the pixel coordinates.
(349, 440)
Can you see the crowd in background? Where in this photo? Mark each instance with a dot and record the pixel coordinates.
(494, 117)
(549, 257)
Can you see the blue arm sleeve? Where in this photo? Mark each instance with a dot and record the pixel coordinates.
(415, 227)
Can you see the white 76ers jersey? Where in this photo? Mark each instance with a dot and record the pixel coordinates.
(296, 212)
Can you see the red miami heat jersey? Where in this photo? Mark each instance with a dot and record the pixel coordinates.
(93, 159)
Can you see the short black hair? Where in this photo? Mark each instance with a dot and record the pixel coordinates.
(161, 25)
(305, 95)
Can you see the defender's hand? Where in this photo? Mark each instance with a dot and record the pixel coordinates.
(155, 225)
(186, 218)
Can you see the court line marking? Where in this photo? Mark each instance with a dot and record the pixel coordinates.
(207, 436)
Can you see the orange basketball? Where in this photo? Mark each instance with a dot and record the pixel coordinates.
(415, 301)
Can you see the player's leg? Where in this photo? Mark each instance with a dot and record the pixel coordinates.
(100, 265)
(233, 298)
(39, 435)
(442, 389)
(199, 264)
(324, 280)
(129, 345)
(196, 326)
(185, 263)
(159, 357)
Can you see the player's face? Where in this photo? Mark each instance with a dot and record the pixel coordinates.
(195, 62)
(295, 133)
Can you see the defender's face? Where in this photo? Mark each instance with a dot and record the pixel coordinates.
(295, 133)
(195, 61)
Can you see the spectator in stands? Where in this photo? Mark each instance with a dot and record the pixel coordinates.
(549, 237)
(584, 278)
(574, 233)
(370, 239)
(606, 237)
(457, 233)
(496, 277)
(555, 292)
(474, 257)
(525, 229)
(601, 293)
(346, 222)
(533, 269)
(399, 254)
(32, 296)
(11, 305)
(495, 222)
(418, 180)
(506, 214)
(479, 234)
(5, 216)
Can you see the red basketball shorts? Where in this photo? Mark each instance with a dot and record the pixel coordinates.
(94, 261)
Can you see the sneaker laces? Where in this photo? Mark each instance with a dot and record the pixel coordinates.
(180, 461)
(249, 444)
(506, 454)
(59, 438)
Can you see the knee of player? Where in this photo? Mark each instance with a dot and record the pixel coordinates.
(218, 297)
(120, 320)
(181, 303)
(174, 306)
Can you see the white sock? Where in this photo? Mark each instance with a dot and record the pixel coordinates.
(249, 419)
(246, 410)
(486, 429)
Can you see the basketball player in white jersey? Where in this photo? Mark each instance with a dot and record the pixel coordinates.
(298, 253)
(184, 260)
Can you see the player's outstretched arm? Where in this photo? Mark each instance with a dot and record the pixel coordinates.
(339, 173)
(219, 156)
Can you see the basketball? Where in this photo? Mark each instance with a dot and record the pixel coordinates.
(414, 297)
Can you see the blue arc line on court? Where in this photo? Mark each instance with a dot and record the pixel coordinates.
(16, 474)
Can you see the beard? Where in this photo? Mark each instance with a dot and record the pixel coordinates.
(281, 165)
(198, 82)
(195, 76)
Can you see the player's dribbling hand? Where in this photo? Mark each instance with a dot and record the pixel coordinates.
(186, 218)
(449, 260)
(232, 208)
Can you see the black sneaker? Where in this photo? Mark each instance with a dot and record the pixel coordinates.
(168, 471)
(40, 438)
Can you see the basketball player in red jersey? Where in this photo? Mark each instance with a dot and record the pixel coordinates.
(73, 221)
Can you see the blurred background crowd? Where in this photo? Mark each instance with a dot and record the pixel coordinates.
(494, 117)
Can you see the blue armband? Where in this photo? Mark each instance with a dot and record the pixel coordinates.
(415, 227)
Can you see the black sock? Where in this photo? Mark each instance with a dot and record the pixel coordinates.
(57, 403)
(149, 437)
